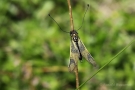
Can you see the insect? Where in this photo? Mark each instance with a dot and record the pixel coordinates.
(77, 49)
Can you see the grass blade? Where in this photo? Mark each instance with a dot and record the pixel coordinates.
(108, 62)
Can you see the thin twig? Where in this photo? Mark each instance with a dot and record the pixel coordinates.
(72, 28)
(77, 77)
(70, 14)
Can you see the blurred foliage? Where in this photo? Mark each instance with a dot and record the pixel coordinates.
(34, 53)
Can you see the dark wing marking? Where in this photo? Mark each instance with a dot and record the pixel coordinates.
(74, 56)
(85, 53)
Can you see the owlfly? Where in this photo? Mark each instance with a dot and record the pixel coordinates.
(77, 48)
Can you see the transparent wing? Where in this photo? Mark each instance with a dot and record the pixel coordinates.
(74, 56)
(85, 53)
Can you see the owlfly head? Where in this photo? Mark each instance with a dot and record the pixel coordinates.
(74, 35)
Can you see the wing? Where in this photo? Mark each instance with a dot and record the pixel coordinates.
(85, 53)
(74, 56)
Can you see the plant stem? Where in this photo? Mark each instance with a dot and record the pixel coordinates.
(77, 77)
(70, 14)
(72, 28)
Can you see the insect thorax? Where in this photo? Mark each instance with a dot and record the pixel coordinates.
(74, 35)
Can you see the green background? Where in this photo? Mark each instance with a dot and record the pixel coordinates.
(34, 52)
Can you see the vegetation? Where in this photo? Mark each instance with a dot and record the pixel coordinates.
(34, 52)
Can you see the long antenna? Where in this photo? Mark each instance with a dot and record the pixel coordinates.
(57, 23)
(83, 17)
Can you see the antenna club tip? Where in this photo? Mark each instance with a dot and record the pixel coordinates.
(88, 5)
